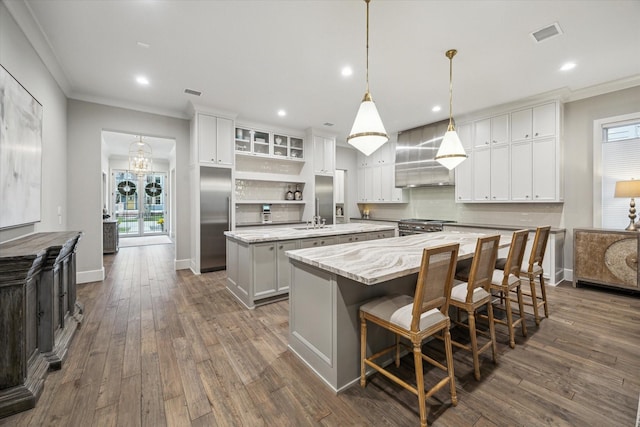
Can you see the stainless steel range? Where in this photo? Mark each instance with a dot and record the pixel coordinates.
(410, 226)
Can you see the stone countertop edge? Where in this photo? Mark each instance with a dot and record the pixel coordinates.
(375, 261)
(502, 227)
(286, 233)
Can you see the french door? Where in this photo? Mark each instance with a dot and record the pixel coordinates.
(140, 203)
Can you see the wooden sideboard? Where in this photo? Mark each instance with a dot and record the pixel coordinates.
(606, 257)
(39, 313)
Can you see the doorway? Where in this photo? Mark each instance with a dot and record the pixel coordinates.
(140, 203)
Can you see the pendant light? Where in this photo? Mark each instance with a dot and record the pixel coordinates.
(451, 152)
(140, 161)
(368, 133)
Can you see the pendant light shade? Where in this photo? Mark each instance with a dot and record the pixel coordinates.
(140, 162)
(368, 133)
(451, 152)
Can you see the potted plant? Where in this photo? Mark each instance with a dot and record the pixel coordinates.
(161, 222)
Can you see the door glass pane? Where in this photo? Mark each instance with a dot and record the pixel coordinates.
(126, 203)
(154, 204)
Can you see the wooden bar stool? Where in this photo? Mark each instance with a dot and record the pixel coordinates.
(415, 319)
(534, 269)
(474, 294)
(504, 282)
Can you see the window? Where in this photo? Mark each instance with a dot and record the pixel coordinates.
(619, 161)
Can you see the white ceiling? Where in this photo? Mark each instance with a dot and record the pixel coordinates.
(252, 58)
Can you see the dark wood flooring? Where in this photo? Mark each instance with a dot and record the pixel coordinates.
(160, 347)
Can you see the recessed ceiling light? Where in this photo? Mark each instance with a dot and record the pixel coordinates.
(568, 66)
(144, 45)
(347, 71)
(436, 108)
(282, 113)
(142, 80)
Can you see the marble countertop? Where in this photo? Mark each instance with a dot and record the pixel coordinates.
(290, 233)
(375, 261)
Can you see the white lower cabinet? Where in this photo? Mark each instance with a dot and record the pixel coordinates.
(260, 273)
(283, 267)
(318, 241)
(264, 269)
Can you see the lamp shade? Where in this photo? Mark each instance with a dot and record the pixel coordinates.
(627, 189)
(368, 133)
(451, 152)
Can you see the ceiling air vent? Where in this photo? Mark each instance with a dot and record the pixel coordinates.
(547, 32)
(193, 92)
(328, 124)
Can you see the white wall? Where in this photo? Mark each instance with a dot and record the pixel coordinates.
(86, 121)
(20, 59)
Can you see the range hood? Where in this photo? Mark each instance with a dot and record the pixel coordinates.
(415, 152)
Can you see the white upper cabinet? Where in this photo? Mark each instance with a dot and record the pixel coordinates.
(482, 133)
(514, 157)
(536, 122)
(215, 140)
(324, 154)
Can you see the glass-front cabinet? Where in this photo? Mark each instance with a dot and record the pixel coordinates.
(243, 140)
(277, 145)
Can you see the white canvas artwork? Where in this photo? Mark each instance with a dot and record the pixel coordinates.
(20, 153)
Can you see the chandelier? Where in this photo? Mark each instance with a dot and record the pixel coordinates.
(140, 162)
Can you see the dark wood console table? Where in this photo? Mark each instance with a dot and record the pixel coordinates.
(39, 313)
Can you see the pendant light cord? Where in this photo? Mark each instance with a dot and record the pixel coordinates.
(450, 54)
(367, 1)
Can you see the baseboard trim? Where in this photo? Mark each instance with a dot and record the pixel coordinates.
(181, 264)
(90, 276)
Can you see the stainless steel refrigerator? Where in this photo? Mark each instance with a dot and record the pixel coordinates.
(324, 197)
(215, 217)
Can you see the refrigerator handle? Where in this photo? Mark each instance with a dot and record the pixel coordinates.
(317, 206)
(229, 213)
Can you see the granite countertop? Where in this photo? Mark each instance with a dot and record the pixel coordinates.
(288, 233)
(375, 261)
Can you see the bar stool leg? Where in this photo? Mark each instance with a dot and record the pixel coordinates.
(474, 343)
(422, 402)
(363, 351)
(534, 298)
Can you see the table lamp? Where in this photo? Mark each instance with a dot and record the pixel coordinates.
(629, 189)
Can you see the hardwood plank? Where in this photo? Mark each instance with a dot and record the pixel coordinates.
(194, 393)
(106, 416)
(152, 403)
(129, 408)
(177, 413)
(169, 373)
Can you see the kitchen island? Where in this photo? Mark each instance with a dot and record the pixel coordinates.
(258, 271)
(329, 284)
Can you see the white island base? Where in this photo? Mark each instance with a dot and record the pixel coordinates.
(324, 327)
(329, 284)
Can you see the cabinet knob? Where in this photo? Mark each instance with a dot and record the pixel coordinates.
(280, 247)
(526, 136)
(527, 196)
(486, 197)
(322, 242)
(537, 196)
(536, 134)
(494, 141)
(271, 248)
(486, 143)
